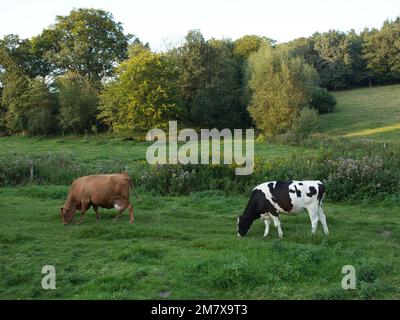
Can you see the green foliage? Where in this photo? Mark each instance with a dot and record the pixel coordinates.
(28, 105)
(87, 41)
(351, 171)
(339, 54)
(323, 101)
(210, 81)
(218, 104)
(16, 53)
(78, 100)
(14, 102)
(145, 94)
(249, 44)
(41, 114)
(306, 123)
(381, 51)
(281, 86)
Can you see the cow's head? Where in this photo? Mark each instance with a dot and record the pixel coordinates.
(67, 215)
(244, 223)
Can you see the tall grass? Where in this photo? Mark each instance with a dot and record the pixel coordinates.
(352, 170)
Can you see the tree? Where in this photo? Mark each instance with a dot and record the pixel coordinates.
(337, 56)
(42, 109)
(145, 94)
(249, 44)
(28, 105)
(15, 102)
(20, 53)
(280, 86)
(210, 81)
(335, 65)
(359, 73)
(219, 104)
(87, 41)
(381, 51)
(323, 101)
(192, 58)
(78, 100)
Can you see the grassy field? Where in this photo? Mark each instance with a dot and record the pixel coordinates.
(186, 247)
(104, 147)
(369, 112)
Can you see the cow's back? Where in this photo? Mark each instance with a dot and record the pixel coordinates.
(102, 189)
(291, 196)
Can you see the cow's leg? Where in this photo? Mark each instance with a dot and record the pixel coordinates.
(119, 214)
(130, 213)
(84, 207)
(322, 219)
(96, 209)
(267, 222)
(119, 205)
(277, 224)
(313, 213)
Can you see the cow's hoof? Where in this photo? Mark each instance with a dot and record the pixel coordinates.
(130, 222)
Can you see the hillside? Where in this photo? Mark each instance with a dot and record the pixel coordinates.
(368, 112)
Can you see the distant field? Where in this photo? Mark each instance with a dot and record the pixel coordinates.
(104, 147)
(186, 248)
(368, 112)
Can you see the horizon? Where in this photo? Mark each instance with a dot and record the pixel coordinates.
(169, 23)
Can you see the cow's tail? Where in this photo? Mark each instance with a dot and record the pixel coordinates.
(321, 192)
(133, 189)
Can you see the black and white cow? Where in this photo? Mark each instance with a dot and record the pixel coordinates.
(272, 198)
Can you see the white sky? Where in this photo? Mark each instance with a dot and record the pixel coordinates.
(165, 22)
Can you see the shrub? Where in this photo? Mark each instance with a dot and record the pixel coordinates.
(306, 123)
(350, 171)
(323, 101)
(369, 176)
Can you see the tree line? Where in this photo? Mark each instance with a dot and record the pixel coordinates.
(84, 74)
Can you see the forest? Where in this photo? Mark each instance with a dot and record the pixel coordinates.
(85, 75)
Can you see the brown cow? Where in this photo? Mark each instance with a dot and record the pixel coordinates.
(101, 190)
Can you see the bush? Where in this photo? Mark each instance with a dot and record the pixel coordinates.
(323, 101)
(306, 123)
(350, 171)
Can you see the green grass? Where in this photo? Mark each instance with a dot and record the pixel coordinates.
(369, 112)
(187, 247)
(104, 147)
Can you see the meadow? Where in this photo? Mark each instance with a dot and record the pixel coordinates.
(185, 246)
(371, 113)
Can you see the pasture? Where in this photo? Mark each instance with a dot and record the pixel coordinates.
(186, 247)
(372, 113)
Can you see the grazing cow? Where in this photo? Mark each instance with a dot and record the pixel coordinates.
(270, 199)
(100, 191)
